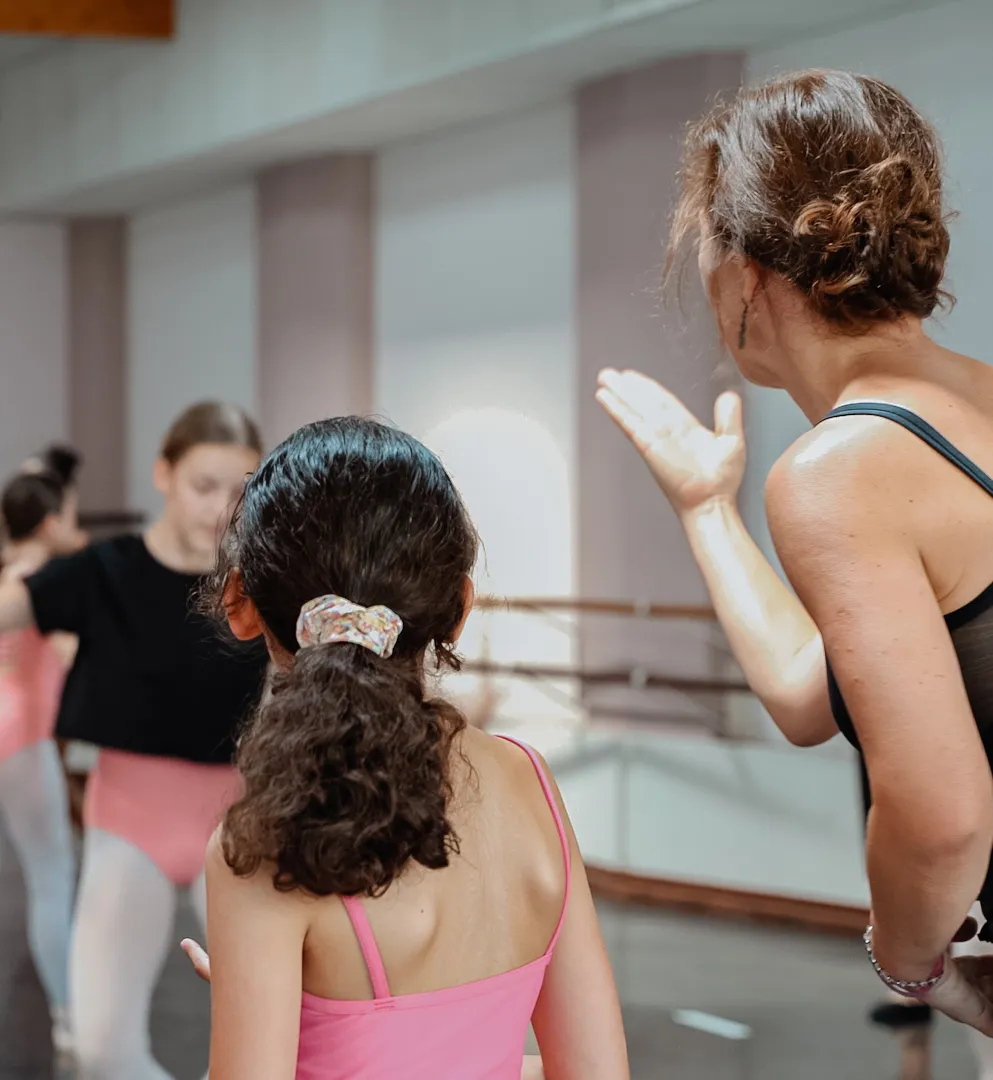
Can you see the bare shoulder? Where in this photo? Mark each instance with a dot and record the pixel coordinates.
(215, 851)
(851, 470)
(220, 876)
(521, 770)
(18, 571)
(256, 889)
(509, 753)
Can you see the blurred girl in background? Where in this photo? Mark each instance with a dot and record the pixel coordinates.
(38, 522)
(161, 694)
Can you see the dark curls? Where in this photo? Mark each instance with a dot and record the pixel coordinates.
(831, 180)
(346, 762)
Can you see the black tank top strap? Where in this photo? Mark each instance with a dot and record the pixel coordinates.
(923, 430)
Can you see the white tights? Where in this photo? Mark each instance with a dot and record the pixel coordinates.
(123, 931)
(35, 809)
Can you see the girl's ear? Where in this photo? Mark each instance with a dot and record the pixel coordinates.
(468, 600)
(242, 614)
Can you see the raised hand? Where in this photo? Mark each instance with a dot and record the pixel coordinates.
(692, 464)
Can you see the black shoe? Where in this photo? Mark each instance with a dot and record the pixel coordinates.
(898, 1017)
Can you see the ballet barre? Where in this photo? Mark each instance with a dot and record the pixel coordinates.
(631, 608)
(636, 677)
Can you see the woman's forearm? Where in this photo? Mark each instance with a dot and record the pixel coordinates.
(770, 633)
(921, 892)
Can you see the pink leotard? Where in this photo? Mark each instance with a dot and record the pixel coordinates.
(166, 807)
(476, 1031)
(31, 678)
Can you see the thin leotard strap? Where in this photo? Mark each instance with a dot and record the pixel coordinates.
(367, 943)
(360, 920)
(923, 430)
(553, 805)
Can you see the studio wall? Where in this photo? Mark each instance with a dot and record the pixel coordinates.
(192, 326)
(33, 358)
(475, 351)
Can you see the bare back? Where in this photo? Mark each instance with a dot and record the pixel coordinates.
(493, 909)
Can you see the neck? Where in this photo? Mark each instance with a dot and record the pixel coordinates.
(30, 553)
(824, 370)
(165, 543)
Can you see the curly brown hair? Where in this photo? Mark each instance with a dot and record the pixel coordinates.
(831, 180)
(346, 761)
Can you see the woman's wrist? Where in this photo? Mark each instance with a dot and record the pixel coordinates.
(903, 965)
(714, 510)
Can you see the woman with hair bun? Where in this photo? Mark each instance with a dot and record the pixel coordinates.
(395, 894)
(816, 204)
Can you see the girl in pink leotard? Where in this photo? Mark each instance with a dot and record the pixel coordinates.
(396, 894)
(38, 522)
(157, 689)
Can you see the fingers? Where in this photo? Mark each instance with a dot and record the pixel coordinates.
(198, 958)
(962, 997)
(984, 1021)
(727, 415)
(967, 931)
(977, 969)
(626, 418)
(632, 386)
(648, 398)
(532, 1068)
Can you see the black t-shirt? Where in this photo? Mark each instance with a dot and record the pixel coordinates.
(151, 676)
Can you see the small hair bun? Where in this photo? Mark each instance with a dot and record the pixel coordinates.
(877, 249)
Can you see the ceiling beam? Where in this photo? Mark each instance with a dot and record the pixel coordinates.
(89, 18)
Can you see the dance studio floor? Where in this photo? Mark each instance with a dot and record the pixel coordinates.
(801, 998)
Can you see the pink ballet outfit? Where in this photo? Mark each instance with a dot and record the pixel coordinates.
(156, 689)
(166, 807)
(31, 679)
(476, 1031)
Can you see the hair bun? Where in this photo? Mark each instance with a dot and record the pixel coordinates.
(832, 181)
(875, 250)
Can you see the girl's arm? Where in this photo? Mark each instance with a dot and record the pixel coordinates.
(15, 606)
(256, 938)
(577, 1019)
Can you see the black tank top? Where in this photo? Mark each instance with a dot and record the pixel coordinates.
(971, 626)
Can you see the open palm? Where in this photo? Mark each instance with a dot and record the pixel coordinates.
(691, 463)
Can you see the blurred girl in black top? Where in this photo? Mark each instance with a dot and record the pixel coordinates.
(161, 694)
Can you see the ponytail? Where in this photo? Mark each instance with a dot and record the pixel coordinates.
(346, 780)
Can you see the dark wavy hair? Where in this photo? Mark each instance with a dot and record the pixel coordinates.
(831, 180)
(346, 761)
